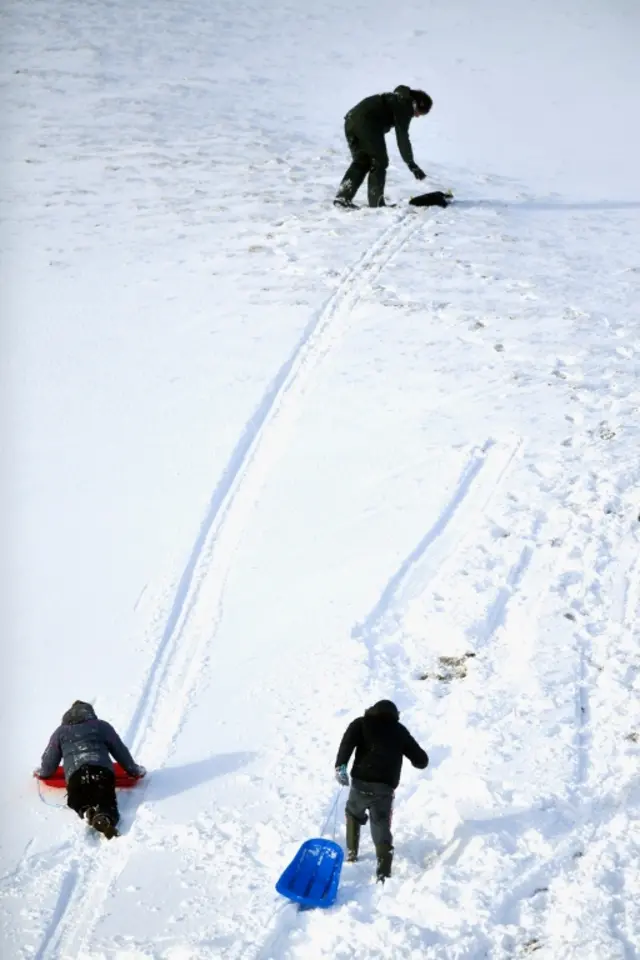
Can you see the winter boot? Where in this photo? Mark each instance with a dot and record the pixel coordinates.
(104, 825)
(89, 814)
(385, 859)
(344, 203)
(353, 839)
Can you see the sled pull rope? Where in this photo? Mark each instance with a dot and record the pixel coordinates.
(333, 812)
(43, 799)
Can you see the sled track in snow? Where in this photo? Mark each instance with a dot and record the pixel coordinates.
(437, 552)
(626, 588)
(191, 625)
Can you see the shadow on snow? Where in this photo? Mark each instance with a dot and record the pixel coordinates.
(172, 781)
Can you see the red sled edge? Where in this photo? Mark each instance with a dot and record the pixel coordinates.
(123, 780)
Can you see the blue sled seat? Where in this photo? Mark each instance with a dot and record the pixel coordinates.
(312, 877)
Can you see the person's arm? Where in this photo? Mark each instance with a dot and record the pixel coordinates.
(402, 121)
(414, 752)
(402, 137)
(119, 751)
(351, 739)
(51, 757)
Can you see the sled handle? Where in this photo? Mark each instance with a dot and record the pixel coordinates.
(332, 812)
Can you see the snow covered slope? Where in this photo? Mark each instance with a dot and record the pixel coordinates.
(266, 463)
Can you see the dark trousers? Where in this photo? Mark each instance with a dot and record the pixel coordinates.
(369, 156)
(375, 799)
(92, 786)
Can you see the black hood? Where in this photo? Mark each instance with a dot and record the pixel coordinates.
(383, 709)
(380, 721)
(401, 91)
(79, 712)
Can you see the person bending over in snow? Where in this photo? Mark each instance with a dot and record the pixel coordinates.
(365, 126)
(85, 745)
(380, 742)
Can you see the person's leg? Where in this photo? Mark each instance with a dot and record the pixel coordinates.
(377, 149)
(381, 810)
(353, 838)
(356, 817)
(91, 792)
(104, 793)
(357, 171)
(79, 792)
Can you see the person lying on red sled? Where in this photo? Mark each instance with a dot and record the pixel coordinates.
(85, 745)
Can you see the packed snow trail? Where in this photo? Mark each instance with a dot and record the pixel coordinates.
(186, 642)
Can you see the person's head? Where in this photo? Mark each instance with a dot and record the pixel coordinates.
(422, 103)
(79, 711)
(384, 708)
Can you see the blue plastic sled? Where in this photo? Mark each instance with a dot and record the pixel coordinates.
(312, 877)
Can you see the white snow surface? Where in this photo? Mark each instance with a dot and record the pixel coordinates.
(266, 462)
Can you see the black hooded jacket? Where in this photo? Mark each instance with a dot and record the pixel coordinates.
(82, 739)
(383, 111)
(380, 742)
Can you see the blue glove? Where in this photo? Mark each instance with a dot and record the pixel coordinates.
(342, 776)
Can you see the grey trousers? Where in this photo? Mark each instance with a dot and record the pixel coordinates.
(375, 799)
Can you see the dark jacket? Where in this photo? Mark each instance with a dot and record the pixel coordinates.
(380, 742)
(84, 739)
(382, 112)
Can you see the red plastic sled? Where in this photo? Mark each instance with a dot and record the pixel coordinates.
(123, 779)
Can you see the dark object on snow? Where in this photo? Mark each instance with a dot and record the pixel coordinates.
(437, 198)
(365, 127)
(380, 742)
(85, 744)
(312, 877)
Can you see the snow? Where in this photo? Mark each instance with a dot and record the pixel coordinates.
(267, 462)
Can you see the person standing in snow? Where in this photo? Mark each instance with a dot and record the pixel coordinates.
(85, 745)
(365, 126)
(380, 742)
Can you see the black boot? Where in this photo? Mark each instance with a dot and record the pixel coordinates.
(376, 182)
(353, 839)
(103, 823)
(344, 203)
(385, 859)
